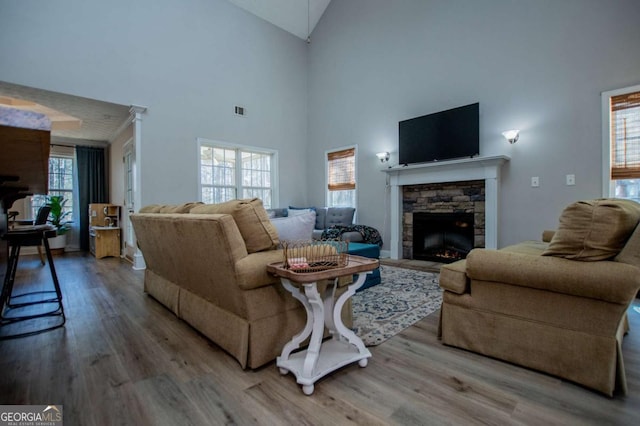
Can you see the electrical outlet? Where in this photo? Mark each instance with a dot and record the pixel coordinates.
(571, 180)
(535, 182)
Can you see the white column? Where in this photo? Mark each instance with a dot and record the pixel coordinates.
(491, 213)
(136, 112)
(396, 219)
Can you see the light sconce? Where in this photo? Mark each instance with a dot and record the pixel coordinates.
(383, 156)
(511, 135)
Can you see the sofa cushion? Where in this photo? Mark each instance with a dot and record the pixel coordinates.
(300, 211)
(297, 227)
(169, 208)
(339, 216)
(151, 208)
(321, 218)
(282, 212)
(630, 254)
(253, 222)
(594, 230)
(180, 208)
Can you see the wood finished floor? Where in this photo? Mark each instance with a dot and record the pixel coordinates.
(122, 358)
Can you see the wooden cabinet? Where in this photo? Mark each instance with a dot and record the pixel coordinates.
(105, 242)
(104, 230)
(104, 215)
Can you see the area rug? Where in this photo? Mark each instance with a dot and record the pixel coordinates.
(403, 298)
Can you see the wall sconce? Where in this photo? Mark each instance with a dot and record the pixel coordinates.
(383, 156)
(511, 135)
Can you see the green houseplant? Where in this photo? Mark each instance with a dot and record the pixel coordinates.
(58, 218)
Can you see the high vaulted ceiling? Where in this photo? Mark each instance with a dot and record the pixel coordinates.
(298, 17)
(101, 120)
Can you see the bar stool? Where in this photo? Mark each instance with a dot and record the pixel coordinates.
(13, 308)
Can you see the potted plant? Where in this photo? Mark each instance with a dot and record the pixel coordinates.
(57, 217)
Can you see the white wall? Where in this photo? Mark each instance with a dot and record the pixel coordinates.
(539, 66)
(188, 61)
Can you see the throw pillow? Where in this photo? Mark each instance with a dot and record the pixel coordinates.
(594, 230)
(298, 227)
(253, 222)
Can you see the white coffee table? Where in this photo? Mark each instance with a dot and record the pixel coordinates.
(343, 346)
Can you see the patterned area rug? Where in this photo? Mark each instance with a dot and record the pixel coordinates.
(403, 298)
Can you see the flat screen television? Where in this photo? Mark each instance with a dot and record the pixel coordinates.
(444, 135)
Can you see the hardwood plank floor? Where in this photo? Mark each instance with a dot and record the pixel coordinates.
(122, 358)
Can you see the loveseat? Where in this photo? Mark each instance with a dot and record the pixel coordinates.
(207, 264)
(557, 306)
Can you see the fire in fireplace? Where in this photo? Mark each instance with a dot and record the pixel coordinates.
(442, 237)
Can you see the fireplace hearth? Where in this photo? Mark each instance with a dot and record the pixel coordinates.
(442, 237)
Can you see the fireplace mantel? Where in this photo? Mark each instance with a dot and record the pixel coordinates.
(487, 168)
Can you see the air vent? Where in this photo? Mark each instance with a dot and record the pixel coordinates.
(240, 110)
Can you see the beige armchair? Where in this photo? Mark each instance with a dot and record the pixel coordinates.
(558, 306)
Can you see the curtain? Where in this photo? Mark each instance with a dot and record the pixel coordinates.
(92, 186)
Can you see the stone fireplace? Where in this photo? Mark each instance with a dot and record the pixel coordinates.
(468, 185)
(442, 222)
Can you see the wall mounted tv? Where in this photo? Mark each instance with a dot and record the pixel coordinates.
(444, 135)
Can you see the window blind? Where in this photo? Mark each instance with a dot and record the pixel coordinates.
(625, 136)
(342, 170)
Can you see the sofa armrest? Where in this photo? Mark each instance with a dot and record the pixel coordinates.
(251, 271)
(453, 277)
(604, 280)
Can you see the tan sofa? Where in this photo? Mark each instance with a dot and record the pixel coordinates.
(557, 306)
(207, 264)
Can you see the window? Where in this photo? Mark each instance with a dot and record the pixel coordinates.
(60, 183)
(621, 110)
(230, 171)
(341, 178)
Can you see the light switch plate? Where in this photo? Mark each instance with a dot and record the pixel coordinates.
(571, 179)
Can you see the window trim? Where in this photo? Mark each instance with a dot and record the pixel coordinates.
(212, 143)
(326, 171)
(608, 186)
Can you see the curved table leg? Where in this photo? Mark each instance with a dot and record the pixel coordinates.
(341, 329)
(329, 301)
(317, 315)
(295, 342)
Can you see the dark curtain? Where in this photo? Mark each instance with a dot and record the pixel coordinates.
(92, 186)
